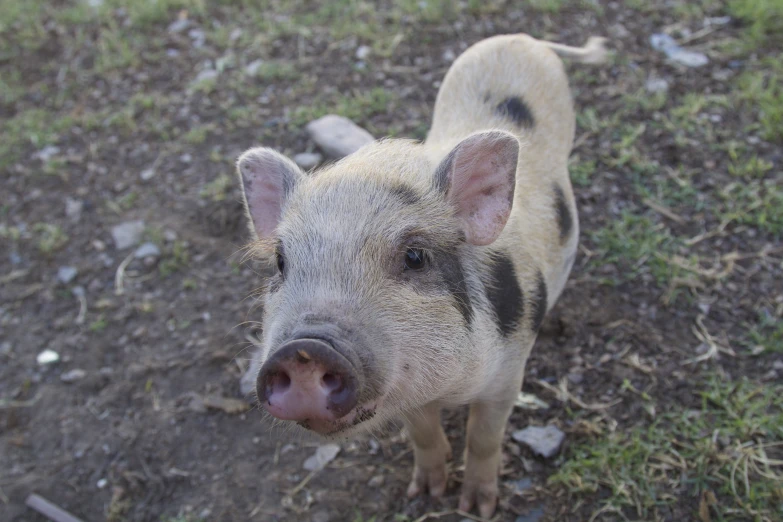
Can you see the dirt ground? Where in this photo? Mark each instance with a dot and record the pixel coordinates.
(109, 117)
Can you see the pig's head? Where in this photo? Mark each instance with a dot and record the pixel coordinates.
(369, 314)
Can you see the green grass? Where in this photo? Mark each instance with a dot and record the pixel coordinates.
(730, 448)
(762, 92)
(357, 107)
(637, 246)
(763, 19)
(50, 238)
(581, 171)
(756, 203)
(767, 334)
(177, 259)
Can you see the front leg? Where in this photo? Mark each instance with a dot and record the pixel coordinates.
(486, 426)
(431, 450)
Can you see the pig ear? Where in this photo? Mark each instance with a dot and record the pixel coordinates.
(478, 177)
(267, 178)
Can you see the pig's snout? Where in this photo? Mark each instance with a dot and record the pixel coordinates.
(307, 380)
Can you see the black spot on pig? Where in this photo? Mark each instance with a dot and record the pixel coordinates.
(517, 110)
(406, 194)
(443, 172)
(540, 303)
(451, 268)
(505, 295)
(564, 220)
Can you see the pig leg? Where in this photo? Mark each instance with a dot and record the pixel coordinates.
(431, 450)
(486, 426)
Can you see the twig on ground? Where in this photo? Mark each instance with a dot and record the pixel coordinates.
(563, 395)
(9, 403)
(664, 211)
(701, 333)
(49, 510)
(119, 276)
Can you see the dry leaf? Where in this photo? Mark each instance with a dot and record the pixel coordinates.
(228, 405)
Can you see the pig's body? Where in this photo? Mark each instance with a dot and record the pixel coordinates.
(415, 276)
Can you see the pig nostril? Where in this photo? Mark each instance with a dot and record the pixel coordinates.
(279, 383)
(331, 381)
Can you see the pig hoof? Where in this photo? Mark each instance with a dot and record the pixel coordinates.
(485, 495)
(432, 480)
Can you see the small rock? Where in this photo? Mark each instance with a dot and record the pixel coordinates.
(666, 44)
(198, 37)
(376, 482)
(323, 456)
(777, 365)
(544, 441)
(363, 52)
(522, 485)
(73, 209)
(308, 160)
(179, 25)
(127, 234)
(576, 377)
(102, 483)
(449, 56)
(47, 153)
(235, 35)
(338, 136)
(47, 357)
(66, 274)
(186, 158)
(147, 250)
(654, 85)
(73, 375)
(147, 174)
(204, 77)
(169, 235)
(252, 68)
(5, 348)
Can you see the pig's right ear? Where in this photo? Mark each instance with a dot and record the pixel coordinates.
(267, 178)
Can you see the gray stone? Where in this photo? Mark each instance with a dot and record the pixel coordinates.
(534, 515)
(376, 481)
(47, 357)
(666, 44)
(198, 37)
(777, 365)
(73, 375)
(363, 52)
(207, 76)
(147, 250)
(47, 153)
(73, 209)
(5, 348)
(320, 516)
(338, 136)
(179, 25)
(66, 274)
(308, 160)
(654, 85)
(127, 234)
(323, 456)
(252, 68)
(147, 174)
(544, 441)
(522, 485)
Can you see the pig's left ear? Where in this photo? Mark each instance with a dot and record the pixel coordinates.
(267, 178)
(478, 177)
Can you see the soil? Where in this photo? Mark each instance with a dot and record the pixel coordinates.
(134, 439)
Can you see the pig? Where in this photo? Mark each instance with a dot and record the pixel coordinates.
(413, 276)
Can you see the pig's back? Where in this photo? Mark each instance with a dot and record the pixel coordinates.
(516, 83)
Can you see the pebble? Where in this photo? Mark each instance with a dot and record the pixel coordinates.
(179, 25)
(47, 357)
(308, 160)
(522, 485)
(66, 274)
(5, 348)
(147, 174)
(535, 514)
(73, 375)
(73, 209)
(102, 483)
(207, 75)
(127, 234)
(666, 44)
(323, 456)
(47, 153)
(147, 250)
(656, 85)
(338, 136)
(376, 482)
(198, 37)
(777, 365)
(449, 56)
(363, 52)
(252, 68)
(544, 441)
(320, 516)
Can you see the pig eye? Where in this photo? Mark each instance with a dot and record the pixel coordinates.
(280, 261)
(415, 259)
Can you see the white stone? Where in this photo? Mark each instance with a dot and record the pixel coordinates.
(252, 68)
(363, 52)
(73, 208)
(545, 441)
(323, 456)
(66, 274)
(338, 136)
(654, 85)
(73, 375)
(308, 160)
(147, 250)
(47, 357)
(127, 234)
(147, 174)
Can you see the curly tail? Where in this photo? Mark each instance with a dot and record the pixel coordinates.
(594, 51)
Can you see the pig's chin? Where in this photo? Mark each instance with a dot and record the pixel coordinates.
(346, 425)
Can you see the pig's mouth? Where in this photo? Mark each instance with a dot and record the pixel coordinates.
(332, 428)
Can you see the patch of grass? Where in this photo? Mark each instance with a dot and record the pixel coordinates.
(762, 91)
(33, 127)
(638, 245)
(176, 260)
(145, 12)
(99, 324)
(756, 203)
(547, 6)
(276, 70)
(686, 115)
(767, 333)
(764, 19)
(728, 452)
(581, 171)
(197, 135)
(217, 189)
(357, 107)
(50, 237)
